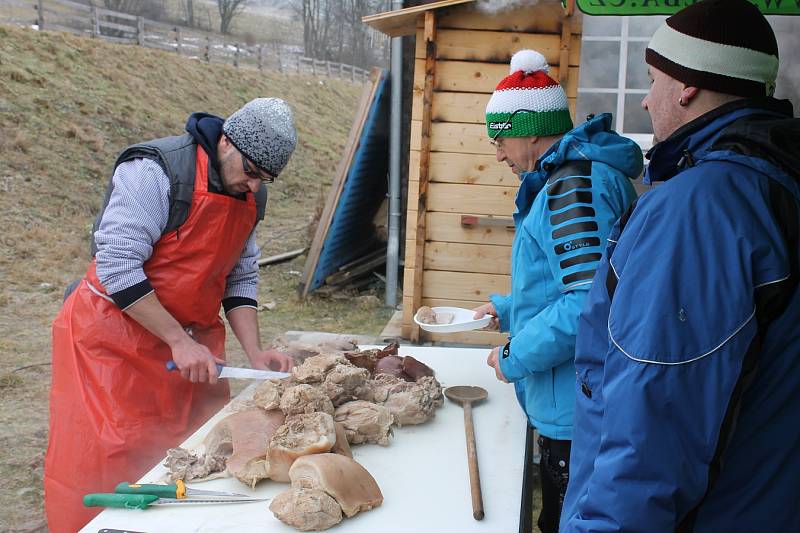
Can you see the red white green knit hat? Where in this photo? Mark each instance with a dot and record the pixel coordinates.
(528, 102)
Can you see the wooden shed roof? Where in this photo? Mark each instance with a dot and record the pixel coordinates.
(404, 21)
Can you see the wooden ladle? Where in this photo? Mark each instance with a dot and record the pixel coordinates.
(466, 396)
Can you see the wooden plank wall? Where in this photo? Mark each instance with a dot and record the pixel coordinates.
(447, 263)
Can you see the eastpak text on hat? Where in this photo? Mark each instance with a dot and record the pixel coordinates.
(528, 102)
(263, 130)
(726, 46)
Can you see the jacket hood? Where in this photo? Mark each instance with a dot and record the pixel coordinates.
(668, 157)
(206, 130)
(594, 140)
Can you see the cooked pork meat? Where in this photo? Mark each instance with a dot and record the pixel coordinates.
(342, 446)
(393, 366)
(305, 399)
(243, 438)
(301, 435)
(314, 369)
(345, 382)
(306, 509)
(268, 393)
(185, 465)
(426, 315)
(409, 402)
(365, 422)
(415, 369)
(349, 483)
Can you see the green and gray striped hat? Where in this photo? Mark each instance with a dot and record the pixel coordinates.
(528, 102)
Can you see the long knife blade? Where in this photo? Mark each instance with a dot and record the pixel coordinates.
(240, 373)
(249, 373)
(205, 501)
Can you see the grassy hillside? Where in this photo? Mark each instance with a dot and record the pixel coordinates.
(67, 106)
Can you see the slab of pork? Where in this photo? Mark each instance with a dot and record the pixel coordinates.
(301, 435)
(365, 422)
(314, 369)
(306, 509)
(349, 483)
(243, 438)
(304, 398)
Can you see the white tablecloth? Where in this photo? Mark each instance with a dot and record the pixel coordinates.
(422, 473)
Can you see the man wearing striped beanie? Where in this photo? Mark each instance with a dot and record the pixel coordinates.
(688, 355)
(574, 184)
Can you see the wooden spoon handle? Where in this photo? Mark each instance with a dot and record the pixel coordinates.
(472, 459)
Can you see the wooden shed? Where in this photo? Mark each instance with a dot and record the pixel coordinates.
(460, 199)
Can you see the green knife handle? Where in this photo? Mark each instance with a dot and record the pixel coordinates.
(162, 491)
(123, 501)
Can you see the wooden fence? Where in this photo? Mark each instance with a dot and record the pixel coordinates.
(98, 22)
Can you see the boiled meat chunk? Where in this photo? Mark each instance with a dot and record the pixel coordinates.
(365, 422)
(243, 438)
(409, 402)
(345, 382)
(369, 358)
(349, 483)
(342, 446)
(393, 366)
(415, 369)
(306, 509)
(303, 398)
(185, 465)
(268, 394)
(301, 435)
(314, 369)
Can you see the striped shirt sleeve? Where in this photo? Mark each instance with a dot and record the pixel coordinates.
(132, 224)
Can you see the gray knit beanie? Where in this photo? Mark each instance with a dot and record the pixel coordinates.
(263, 130)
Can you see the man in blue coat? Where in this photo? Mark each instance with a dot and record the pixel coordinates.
(574, 185)
(688, 352)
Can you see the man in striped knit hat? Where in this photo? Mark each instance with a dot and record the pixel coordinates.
(574, 184)
(688, 352)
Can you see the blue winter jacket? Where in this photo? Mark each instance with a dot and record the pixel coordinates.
(687, 410)
(561, 228)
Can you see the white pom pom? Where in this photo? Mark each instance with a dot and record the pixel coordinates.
(529, 61)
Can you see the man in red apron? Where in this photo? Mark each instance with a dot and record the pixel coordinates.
(174, 243)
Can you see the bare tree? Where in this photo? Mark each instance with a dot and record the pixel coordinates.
(332, 30)
(228, 9)
(190, 13)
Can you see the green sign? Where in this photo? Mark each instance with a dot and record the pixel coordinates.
(668, 7)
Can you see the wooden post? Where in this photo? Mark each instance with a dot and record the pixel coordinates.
(352, 73)
(341, 70)
(95, 22)
(40, 14)
(208, 49)
(298, 63)
(424, 160)
(179, 47)
(566, 41)
(280, 60)
(328, 66)
(140, 31)
(236, 57)
(260, 57)
(314, 66)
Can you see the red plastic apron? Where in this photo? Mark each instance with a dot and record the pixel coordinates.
(114, 409)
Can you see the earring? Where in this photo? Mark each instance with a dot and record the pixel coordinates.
(681, 102)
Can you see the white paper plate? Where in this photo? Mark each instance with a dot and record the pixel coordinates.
(462, 321)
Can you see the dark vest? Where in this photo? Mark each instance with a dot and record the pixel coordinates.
(177, 156)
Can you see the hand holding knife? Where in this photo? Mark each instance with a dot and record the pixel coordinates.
(240, 373)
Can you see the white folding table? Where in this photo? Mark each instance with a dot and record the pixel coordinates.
(422, 473)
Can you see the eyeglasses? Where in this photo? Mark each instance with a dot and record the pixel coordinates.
(254, 172)
(495, 139)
